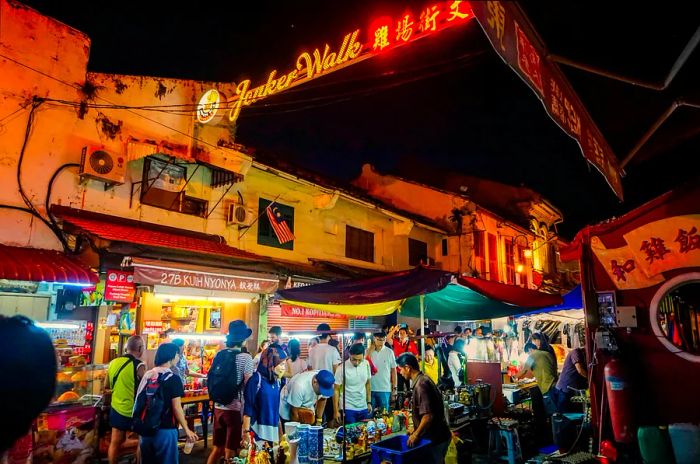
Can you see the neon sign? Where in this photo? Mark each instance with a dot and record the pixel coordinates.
(384, 34)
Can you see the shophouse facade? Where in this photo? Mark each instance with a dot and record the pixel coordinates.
(115, 171)
(498, 232)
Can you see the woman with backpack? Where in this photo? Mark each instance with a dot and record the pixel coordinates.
(158, 411)
(262, 397)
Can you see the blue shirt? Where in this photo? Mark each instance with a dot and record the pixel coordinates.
(262, 399)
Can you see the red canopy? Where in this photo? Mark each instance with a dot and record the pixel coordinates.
(37, 265)
(142, 233)
(511, 294)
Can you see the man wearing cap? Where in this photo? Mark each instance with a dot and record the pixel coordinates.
(325, 357)
(228, 418)
(428, 412)
(304, 398)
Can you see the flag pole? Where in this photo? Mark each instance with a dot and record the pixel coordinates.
(259, 216)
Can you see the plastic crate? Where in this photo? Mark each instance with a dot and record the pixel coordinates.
(396, 451)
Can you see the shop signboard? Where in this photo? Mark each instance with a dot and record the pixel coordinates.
(650, 250)
(516, 42)
(382, 35)
(153, 275)
(119, 286)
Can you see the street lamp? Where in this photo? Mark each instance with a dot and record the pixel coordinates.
(527, 251)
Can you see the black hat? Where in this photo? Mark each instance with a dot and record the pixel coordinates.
(238, 331)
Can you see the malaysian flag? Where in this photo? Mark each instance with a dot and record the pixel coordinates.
(279, 225)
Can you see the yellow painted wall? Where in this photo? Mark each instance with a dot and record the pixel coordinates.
(60, 131)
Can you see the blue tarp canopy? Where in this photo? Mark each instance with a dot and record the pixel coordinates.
(571, 300)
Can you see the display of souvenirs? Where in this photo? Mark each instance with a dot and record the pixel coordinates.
(359, 437)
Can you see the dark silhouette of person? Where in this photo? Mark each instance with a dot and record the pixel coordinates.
(28, 356)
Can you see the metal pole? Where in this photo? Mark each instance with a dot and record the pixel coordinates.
(422, 331)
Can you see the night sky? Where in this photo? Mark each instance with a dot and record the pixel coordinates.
(443, 103)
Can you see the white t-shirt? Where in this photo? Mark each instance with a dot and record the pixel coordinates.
(384, 361)
(355, 380)
(324, 356)
(454, 363)
(299, 392)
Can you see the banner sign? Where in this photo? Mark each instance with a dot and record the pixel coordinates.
(152, 275)
(296, 311)
(516, 42)
(119, 286)
(383, 34)
(652, 249)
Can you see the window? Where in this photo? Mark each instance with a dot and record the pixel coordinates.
(359, 244)
(510, 262)
(493, 257)
(266, 234)
(163, 186)
(444, 247)
(675, 315)
(523, 260)
(479, 253)
(417, 252)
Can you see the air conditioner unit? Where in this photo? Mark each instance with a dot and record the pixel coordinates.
(101, 165)
(237, 214)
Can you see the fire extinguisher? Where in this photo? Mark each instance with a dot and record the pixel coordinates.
(619, 392)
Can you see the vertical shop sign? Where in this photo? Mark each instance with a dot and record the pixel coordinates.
(515, 41)
(119, 286)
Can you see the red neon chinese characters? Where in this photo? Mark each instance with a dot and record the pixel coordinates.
(689, 240)
(381, 38)
(654, 248)
(404, 29)
(428, 19)
(456, 13)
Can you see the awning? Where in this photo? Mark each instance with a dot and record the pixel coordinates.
(38, 265)
(572, 300)
(209, 279)
(468, 301)
(142, 233)
(381, 289)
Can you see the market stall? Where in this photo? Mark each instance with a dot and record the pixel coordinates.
(422, 291)
(641, 274)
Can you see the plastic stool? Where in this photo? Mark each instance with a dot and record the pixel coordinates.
(504, 443)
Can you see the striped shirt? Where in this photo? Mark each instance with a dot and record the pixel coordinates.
(244, 368)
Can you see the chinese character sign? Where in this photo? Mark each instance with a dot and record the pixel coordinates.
(382, 34)
(652, 249)
(514, 39)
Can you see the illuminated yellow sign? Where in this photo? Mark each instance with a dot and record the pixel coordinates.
(385, 34)
(308, 66)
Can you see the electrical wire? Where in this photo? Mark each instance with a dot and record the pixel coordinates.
(47, 203)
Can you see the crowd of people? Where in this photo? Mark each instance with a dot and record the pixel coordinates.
(255, 395)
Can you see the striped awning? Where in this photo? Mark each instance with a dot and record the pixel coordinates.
(39, 265)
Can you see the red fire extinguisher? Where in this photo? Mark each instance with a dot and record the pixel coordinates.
(619, 392)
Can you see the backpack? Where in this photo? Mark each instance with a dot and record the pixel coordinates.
(149, 407)
(222, 377)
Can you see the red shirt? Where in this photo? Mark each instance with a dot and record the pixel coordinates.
(407, 347)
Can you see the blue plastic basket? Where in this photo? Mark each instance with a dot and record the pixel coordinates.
(396, 451)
